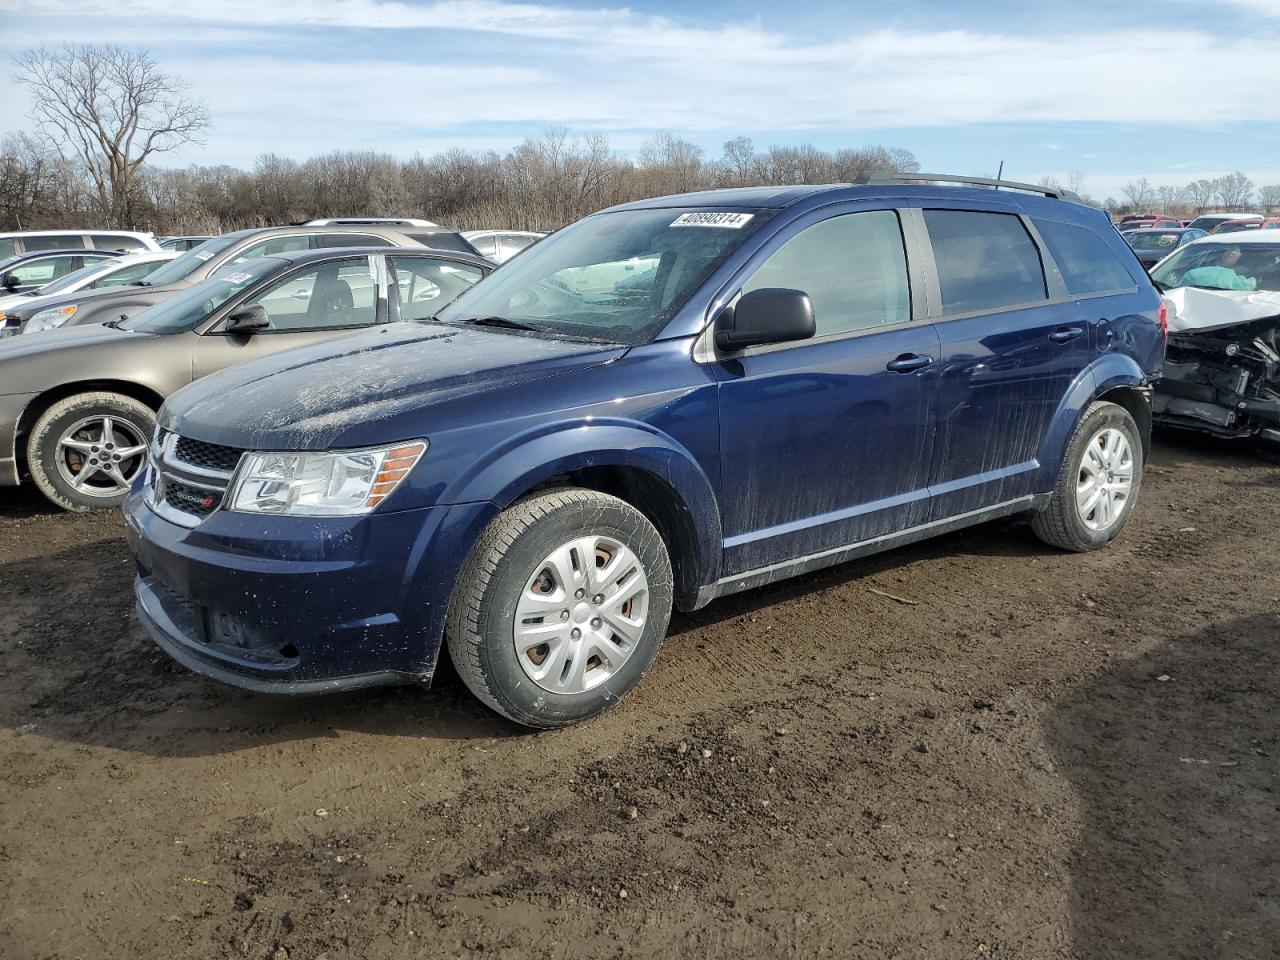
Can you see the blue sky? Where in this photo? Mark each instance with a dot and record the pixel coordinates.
(1169, 89)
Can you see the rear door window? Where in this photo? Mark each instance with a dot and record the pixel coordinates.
(351, 240)
(486, 246)
(986, 261)
(72, 241)
(425, 285)
(272, 245)
(853, 267)
(1087, 264)
(513, 243)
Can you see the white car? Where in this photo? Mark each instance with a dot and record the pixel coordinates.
(501, 245)
(114, 272)
(33, 241)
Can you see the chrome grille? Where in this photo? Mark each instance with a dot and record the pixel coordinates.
(188, 479)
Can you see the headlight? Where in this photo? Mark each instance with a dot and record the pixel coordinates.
(340, 483)
(48, 319)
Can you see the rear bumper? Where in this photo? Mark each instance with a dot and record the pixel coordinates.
(301, 605)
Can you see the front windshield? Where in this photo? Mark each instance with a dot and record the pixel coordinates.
(616, 277)
(1153, 241)
(1222, 266)
(182, 267)
(1207, 223)
(185, 310)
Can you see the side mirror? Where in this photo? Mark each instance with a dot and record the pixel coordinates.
(247, 319)
(10, 282)
(767, 315)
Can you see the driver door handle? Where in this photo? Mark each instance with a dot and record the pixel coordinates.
(1066, 334)
(909, 362)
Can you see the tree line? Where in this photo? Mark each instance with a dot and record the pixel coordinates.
(541, 184)
(1231, 192)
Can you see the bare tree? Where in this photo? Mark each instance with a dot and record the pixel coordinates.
(1269, 197)
(1200, 194)
(111, 108)
(1139, 193)
(1170, 198)
(1233, 190)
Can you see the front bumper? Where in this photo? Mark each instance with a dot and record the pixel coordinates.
(301, 604)
(11, 407)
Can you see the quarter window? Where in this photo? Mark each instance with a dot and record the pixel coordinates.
(1087, 264)
(986, 261)
(343, 293)
(486, 246)
(112, 241)
(351, 240)
(853, 267)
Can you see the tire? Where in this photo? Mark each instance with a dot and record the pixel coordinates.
(510, 582)
(1268, 450)
(1061, 523)
(67, 444)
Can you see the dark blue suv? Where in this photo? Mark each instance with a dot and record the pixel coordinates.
(662, 403)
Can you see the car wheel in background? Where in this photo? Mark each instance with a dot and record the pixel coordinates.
(561, 607)
(86, 450)
(1098, 483)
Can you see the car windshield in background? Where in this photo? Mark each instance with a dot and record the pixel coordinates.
(1222, 266)
(182, 267)
(1153, 241)
(183, 311)
(616, 277)
(70, 280)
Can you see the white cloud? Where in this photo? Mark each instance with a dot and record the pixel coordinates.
(619, 70)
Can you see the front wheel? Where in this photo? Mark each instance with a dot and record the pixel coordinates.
(561, 607)
(85, 451)
(1098, 483)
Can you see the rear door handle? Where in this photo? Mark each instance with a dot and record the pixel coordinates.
(1066, 334)
(909, 362)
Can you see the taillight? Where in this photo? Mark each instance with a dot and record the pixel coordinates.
(1164, 319)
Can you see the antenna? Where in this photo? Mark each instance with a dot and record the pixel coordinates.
(1000, 172)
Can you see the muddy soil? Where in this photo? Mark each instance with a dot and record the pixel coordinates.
(1039, 755)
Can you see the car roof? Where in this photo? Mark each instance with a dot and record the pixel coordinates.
(325, 253)
(72, 233)
(1243, 237)
(813, 195)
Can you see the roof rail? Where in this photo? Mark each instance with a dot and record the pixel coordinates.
(1056, 193)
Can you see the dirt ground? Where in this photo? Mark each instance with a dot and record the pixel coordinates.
(1041, 756)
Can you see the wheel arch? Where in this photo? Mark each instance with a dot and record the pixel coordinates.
(43, 401)
(647, 469)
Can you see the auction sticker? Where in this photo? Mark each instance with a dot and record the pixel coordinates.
(730, 221)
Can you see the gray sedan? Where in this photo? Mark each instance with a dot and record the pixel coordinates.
(78, 404)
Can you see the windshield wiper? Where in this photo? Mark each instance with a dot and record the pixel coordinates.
(502, 322)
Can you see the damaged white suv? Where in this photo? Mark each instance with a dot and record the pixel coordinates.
(1222, 367)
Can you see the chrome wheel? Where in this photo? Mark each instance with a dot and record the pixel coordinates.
(100, 456)
(1105, 480)
(581, 614)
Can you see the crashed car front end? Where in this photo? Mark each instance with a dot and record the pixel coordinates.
(1222, 365)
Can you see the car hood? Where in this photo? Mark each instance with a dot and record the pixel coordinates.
(57, 340)
(1194, 309)
(25, 310)
(328, 395)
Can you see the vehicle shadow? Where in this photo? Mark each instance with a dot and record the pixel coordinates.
(1175, 758)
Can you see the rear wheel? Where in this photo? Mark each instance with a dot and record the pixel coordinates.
(1098, 483)
(1268, 450)
(561, 607)
(85, 451)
